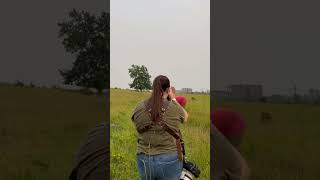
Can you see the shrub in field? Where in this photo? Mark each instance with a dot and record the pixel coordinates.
(32, 85)
(86, 91)
(19, 84)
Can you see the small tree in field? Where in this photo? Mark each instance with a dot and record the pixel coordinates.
(141, 78)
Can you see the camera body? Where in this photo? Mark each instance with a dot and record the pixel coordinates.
(190, 170)
(186, 175)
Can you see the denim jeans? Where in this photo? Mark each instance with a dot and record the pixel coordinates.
(159, 167)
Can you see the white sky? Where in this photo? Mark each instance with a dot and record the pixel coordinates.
(168, 37)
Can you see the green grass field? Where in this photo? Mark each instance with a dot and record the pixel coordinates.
(287, 147)
(123, 133)
(41, 129)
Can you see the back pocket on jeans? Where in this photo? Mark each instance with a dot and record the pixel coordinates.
(172, 169)
(168, 158)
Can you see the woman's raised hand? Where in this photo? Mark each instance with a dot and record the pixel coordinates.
(171, 94)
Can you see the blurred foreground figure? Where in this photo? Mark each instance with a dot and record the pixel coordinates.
(226, 161)
(92, 159)
(230, 124)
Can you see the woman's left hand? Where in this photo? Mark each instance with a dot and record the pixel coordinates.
(171, 94)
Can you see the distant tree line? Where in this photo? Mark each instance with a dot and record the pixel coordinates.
(22, 84)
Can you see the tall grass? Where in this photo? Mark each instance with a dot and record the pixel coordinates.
(41, 130)
(286, 147)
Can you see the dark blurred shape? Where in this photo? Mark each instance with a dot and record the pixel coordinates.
(226, 162)
(92, 159)
(230, 123)
(19, 84)
(266, 117)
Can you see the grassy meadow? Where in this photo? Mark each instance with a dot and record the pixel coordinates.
(286, 147)
(41, 130)
(123, 133)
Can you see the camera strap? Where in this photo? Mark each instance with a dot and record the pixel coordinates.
(164, 126)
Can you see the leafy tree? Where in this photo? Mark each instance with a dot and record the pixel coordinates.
(86, 36)
(141, 77)
(19, 83)
(32, 85)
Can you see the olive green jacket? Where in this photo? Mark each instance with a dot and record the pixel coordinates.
(156, 140)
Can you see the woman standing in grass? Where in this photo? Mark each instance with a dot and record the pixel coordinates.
(157, 154)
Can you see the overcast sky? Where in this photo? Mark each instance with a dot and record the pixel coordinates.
(274, 43)
(30, 48)
(168, 37)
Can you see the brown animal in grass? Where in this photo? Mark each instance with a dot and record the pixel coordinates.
(266, 117)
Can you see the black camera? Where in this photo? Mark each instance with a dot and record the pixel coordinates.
(191, 168)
